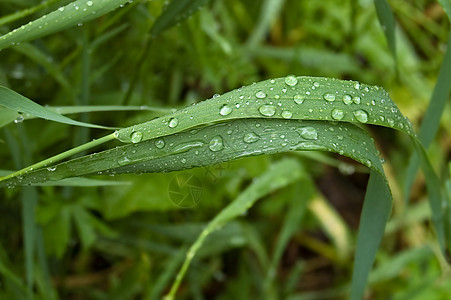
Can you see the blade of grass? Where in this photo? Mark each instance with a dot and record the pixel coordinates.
(432, 117)
(19, 103)
(278, 176)
(387, 21)
(375, 213)
(269, 11)
(26, 12)
(74, 13)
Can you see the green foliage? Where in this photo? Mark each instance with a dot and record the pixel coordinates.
(186, 221)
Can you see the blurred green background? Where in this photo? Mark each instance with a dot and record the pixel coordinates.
(127, 241)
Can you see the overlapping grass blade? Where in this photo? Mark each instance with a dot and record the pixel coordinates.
(387, 21)
(174, 13)
(280, 174)
(268, 12)
(25, 12)
(16, 102)
(74, 13)
(214, 144)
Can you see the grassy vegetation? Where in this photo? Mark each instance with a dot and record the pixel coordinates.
(123, 189)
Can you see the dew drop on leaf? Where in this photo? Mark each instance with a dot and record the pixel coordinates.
(356, 100)
(291, 80)
(225, 110)
(329, 97)
(250, 137)
(216, 144)
(361, 116)
(173, 122)
(89, 3)
(51, 169)
(160, 143)
(123, 161)
(136, 137)
(308, 133)
(337, 114)
(260, 94)
(286, 114)
(347, 99)
(267, 110)
(298, 99)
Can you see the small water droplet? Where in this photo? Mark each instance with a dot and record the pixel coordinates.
(61, 8)
(136, 136)
(19, 119)
(329, 97)
(291, 80)
(267, 110)
(316, 84)
(286, 114)
(356, 100)
(357, 85)
(51, 169)
(308, 133)
(173, 122)
(183, 160)
(260, 94)
(216, 144)
(391, 122)
(123, 161)
(361, 116)
(337, 114)
(250, 137)
(216, 96)
(160, 143)
(225, 110)
(298, 99)
(89, 3)
(347, 99)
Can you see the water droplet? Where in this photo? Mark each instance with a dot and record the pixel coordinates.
(347, 99)
(308, 133)
(89, 3)
(316, 84)
(216, 144)
(61, 8)
(391, 122)
(173, 122)
(357, 85)
(267, 110)
(361, 116)
(356, 100)
(183, 160)
(160, 143)
(19, 119)
(286, 114)
(250, 137)
(136, 136)
(291, 80)
(298, 99)
(337, 114)
(123, 161)
(260, 94)
(329, 97)
(216, 96)
(51, 169)
(225, 110)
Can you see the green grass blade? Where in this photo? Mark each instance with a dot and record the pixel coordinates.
(269, 11)
(432, 117)
(25, 12)
(387, 21)
(7, 116)
(74, 13)
(174, 13)
(279, 175)
(215, 144)
(19, 103)
(446, 7)
(375, 213)
(303, 98)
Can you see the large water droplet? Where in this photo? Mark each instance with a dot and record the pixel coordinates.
(267, 110)
(308, 133)
(225, 110)
(216, 144)
(291, 80)
(347, 99)
(260, 94)
(357, 85)
(89, 3)
(250, 137)
(173, 122)
(136, 137)
(286, 114)
(160, 143)
(298, 99)
(329, 97)
(361, 116)
(356, 100)
(337, 114)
